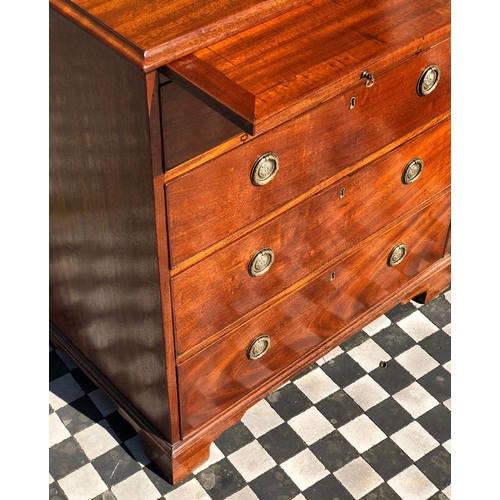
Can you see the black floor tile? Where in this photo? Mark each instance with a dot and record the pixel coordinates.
(83, 381)
(389, 416)
(339, 408)
(273, 485)
(289, 401)
(387, 459)
(66, 457)
(392, 377)
(234, 438)
(221, 480)
(382, 492)
(107, 495)
(56, 493)
(438, 383)
(437, 422)
(393, 340)
(334, 451)
(79, 414)
(400, 311)
(438, 311)
(436, 465)
(343, 370)
(282, 443)
(57, 367)
(438, 345)
(115, 466)
(120, 426)
(328, 488)
(355, 340)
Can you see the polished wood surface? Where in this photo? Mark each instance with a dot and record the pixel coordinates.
(104, 282)
(308, 317)
(190, 127)
(152, 32)
(284, 66)
(304, 238)
(218, 198)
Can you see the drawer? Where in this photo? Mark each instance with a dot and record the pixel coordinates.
(218, 290)
(220, 197)
(220, 375)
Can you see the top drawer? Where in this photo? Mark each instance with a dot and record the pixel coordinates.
(218, 198)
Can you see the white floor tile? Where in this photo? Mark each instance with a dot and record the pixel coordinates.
(417, 326)
(417, 361)
(411, 484)
(57, 430)
(215, 456)
(447, 296)
(415, 400)
(369, 355)
(192, 490)
(64, 390)
(311, 425)
(378, 325)
(330, 355)
(447, 366)
(447, 446)
(362, 433)
(447, 329)
(136, 447)
(299, 497)
(415, 441)
(251, 461)
(316, 385)
(358, 478)
(97, 439)
(138, 486)
(83, 484)
(244, 494)
(66, 359)
(261, 418)
(447, 403)
(416, 304)
(366, 392)
(103, 403)
(447, 491)
(304, 469)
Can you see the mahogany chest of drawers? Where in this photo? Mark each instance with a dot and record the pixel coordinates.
(236, 188)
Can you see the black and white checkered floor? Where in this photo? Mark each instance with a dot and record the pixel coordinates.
(371, 420)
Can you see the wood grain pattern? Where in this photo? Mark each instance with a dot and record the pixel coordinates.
(308, 55)
(304, 238)
(152, 32)
(104, 282)
(190, 127)
(305, 319)
(218, 198)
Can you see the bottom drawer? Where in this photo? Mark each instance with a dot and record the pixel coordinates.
(220, 375)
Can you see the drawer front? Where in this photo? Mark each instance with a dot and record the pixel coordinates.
(219, 197)
(220, 289)
(222, 374)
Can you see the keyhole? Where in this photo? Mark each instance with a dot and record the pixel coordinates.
(352, 103)
(342, 192)
(332, 276)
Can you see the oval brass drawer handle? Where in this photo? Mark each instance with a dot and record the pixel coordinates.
(261, 262)
(397, 254)
(412, 170)
(428, 80)
(258, 347)
(264, 169)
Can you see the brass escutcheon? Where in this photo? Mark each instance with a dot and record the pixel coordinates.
(258, 347)
(428, 80)
(370, 79)
(264, 169)
(261, 262)
(397, 254)
(412, 170)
